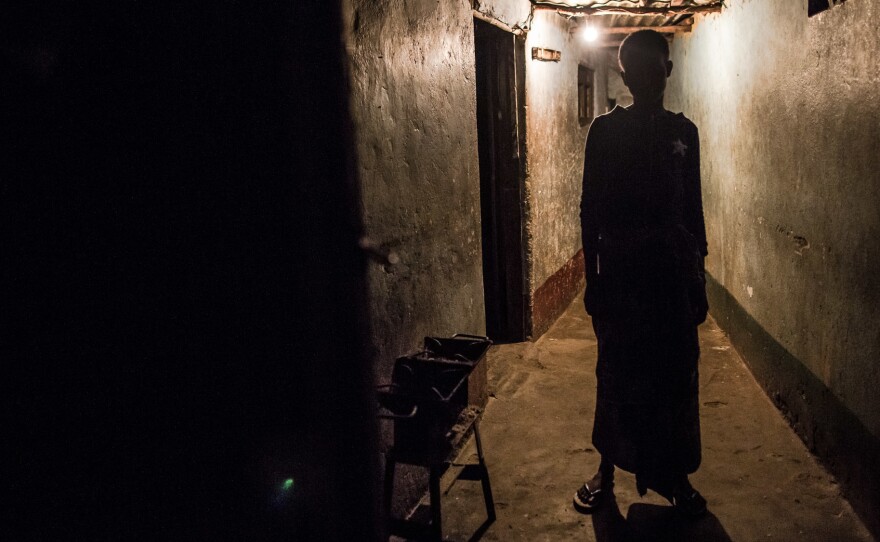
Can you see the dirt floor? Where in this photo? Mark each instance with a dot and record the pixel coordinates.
(759, 479)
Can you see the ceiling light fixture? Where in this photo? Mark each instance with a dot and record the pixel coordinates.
(590, 33)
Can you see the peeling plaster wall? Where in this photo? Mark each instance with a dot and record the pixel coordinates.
(789, 114)
(510, 12)
(555, 144)
(414, 106)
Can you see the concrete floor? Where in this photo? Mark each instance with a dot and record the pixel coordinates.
(759, 479)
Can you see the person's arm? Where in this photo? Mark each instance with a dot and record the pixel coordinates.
(695, 223)
(693, 204)
(589, 212)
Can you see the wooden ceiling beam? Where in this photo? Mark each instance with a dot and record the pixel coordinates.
(631, 29)
(581, 11)
(612, 41)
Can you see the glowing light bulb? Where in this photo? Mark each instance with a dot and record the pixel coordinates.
(591, 33)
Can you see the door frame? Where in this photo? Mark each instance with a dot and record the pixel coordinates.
(500, 87)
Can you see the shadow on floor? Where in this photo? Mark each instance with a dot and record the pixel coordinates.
(420, 518)
(653, 523)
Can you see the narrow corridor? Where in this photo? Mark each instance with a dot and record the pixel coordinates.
(759, 479)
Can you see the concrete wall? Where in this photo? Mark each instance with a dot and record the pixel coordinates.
(555, 143)
(789, 115)
(510, 12)
(554, 164)
(414, 104)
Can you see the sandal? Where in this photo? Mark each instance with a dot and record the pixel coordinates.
(687, 501)
(587, 499)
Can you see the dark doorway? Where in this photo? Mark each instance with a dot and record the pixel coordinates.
(500, 82)
(585, 95)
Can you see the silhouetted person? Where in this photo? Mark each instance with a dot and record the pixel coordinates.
(644, 242)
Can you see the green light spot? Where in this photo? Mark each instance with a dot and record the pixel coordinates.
(288, 484)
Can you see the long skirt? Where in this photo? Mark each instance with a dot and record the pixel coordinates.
(647, 409)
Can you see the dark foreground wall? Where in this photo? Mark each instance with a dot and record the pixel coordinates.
(789, 115)
(183, 296)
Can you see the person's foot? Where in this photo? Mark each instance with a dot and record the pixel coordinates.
(594, 493)
(687, 500)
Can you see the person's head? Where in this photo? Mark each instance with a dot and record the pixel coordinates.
(645, 65)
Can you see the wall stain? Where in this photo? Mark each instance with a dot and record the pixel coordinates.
(800, 241)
